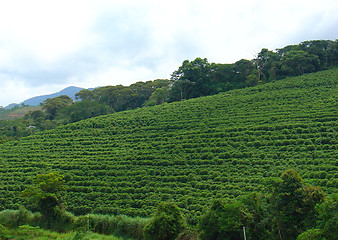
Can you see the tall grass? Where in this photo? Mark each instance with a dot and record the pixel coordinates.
(120, 225)
(16, 218)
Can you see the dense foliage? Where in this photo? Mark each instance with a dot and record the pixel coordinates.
(166, 223)
(287, 209)
(189, 152)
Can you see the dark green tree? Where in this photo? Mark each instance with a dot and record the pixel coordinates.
(320, 48)
(294, 202)
(85, 109)
(52, 105)
(159, 96)
(266, 64)
(328, 217)
(224, 221)
(298, 62)
(332, 53)
(166, 223)
(85, 94)
(46, 194)
(191, 80)
(242, 69)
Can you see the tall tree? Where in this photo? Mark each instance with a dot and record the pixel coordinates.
(318, 48)
(266, 63)
(52, 105)
(192, 79)
(295, 63)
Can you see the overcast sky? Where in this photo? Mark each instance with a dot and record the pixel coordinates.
(46, 46)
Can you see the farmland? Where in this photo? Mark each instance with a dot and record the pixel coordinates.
(189, 152)
(15, 113)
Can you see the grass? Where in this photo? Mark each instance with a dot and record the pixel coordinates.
(28, 232)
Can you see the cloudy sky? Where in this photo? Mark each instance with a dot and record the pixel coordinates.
(48, 45)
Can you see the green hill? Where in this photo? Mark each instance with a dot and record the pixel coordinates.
(189, 152)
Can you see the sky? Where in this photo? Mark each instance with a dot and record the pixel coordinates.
(46, 46)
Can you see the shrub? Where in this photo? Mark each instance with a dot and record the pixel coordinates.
(15, 218)
(166, 224)
(109, 224)
(224, 221)
(4, 233)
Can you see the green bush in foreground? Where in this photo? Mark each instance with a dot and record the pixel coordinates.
(166, 224)
(28, 232)
(15, 218)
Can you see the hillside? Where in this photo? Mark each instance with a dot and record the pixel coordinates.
(16, 113)
(189, 152)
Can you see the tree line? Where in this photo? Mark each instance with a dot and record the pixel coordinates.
(192, 79)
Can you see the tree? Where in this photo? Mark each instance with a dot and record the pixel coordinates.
(52, 105)
(266, 63)
(328, 217)
(332, 53)
(320, 49)
(293, 203)
(85, 109)
(85, 94)
(46, 194)
(298, 62)
(159, 96)
(191, 80)
(224, 221)
(166, 223)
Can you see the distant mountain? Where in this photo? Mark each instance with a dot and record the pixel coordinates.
(10, 106)
(69, 91)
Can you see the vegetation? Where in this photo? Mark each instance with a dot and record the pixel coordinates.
(188, 152)
(166, 223)
(193, 79)
(287, 210)
(262, 157)
(16, 112)
(78, 227)
(28, 232)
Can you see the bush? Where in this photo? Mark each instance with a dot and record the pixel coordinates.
(64, 221)
(328, 217)
(166, 224)
(109, 224)
(224, 221)
(15, 218)
(4, 233)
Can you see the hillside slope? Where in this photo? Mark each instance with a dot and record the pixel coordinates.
(188, 152)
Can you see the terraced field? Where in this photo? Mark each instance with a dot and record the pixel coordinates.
(189, 152)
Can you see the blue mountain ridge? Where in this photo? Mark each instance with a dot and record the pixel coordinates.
(35, 101)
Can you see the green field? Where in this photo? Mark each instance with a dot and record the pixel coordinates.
(10, 114)
(189, 152)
